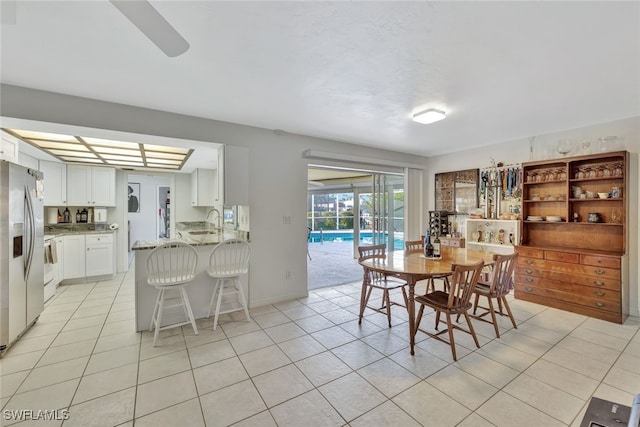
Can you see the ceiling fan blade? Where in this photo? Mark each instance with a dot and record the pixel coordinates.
(153, 25)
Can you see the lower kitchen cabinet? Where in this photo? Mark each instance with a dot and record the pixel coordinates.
(88, 255)
(73, 256)
(99, 254)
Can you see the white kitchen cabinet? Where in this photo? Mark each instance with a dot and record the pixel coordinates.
(203, 187)
(55, 183)
(99, 254)
(91, 186)
(73, 256)
(87, 255)
(233, 176)
(8, 149)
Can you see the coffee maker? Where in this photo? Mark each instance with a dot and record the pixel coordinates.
(100, 218)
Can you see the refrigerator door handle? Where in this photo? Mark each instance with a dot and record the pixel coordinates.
(31, 226)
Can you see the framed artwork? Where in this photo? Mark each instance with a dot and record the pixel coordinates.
(134, 197)
(457, 192)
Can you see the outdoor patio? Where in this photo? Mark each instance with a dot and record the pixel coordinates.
(332, 264)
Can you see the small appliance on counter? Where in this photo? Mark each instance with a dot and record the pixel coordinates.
(100, 218)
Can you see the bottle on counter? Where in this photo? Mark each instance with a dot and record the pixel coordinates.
(66, 215)
(83, 215)
(436, 247)
(78, 216)
(59, 216)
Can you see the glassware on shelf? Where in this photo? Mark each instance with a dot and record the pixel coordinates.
(617, 169)
(616, 216)
(565, 146)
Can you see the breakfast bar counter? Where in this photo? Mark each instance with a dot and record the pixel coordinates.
(199, 290)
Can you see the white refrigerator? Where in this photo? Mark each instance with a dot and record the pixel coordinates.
(21, 250)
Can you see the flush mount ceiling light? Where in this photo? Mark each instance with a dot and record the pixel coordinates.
(429, 116)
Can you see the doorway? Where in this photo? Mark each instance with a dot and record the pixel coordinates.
(347, 208)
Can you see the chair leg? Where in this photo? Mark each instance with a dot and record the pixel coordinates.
(451, 340)
(155, 311)
(187, 304)
(493, 316)
(475, 304)
(418, 319)
(364, 300)
(242, 298)
(220, 286)
(500, 306)
(387, 301)
(213, 298)
(473, 331)
(506, 305)
(159, 318)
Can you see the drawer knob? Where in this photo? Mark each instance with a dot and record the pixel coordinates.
(529, 279)
(599, 272)
(599, 304)
(598, 283)
(528, 289)
(529, 262)
(599, 293)
(528, 271)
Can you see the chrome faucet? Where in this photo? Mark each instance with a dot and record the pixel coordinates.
(218, 218)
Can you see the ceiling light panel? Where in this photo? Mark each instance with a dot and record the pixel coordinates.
(78, 149)
(26, 134)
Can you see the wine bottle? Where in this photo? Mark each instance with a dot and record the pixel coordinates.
(436, 247)
(66, 215)
(78, 216)
(428, 247)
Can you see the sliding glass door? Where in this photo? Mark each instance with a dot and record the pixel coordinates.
(387, 201)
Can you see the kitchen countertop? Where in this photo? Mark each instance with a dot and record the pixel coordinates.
(56, 230)
(203, 240)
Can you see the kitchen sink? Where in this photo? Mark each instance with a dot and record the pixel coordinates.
(200, 232)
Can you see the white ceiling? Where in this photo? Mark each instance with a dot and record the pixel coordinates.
(350, 71)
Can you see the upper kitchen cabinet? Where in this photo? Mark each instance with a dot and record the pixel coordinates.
(233, 175)
(55, 183)
(203, 187)
(91, 185)
(8, 149)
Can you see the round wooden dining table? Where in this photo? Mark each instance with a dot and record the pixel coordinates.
(414, 267)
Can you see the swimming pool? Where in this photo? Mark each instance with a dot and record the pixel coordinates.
(366, 238)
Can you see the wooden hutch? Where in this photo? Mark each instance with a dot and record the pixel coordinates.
(573, 251)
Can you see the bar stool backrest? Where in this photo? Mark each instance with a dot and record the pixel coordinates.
(172, 263)
(230, 258)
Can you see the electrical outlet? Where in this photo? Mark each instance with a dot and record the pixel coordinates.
(286, 219)
(287, 275)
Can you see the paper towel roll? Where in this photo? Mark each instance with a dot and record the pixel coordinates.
(114, 226)
(52, 216)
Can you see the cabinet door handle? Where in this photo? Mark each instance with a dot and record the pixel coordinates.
(598, 283)
(599, 304)
(529, 279)
(529, 262)
(599, 293)
(599, 272)
(528, 271)
(528, 289)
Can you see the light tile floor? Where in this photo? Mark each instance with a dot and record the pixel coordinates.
(307, 362)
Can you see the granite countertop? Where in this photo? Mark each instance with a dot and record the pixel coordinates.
(203, 240)
(67, 229)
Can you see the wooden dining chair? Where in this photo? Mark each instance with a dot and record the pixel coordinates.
(417, 247)
(375, 280)
(452, 303)
(497, 288)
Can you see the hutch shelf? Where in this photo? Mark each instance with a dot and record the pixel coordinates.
(574, 235)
